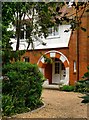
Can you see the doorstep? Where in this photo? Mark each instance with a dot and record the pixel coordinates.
(46, 85)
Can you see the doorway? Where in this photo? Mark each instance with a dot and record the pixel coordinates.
(58, 71)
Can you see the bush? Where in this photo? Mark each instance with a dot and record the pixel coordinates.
(67, 88)
(8, 106)
(83, 87)
(85, 99)
(22, 86)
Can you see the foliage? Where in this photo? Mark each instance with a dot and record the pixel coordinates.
(14, 14)
(21, 87)
(47, 60)
(7, 18)
(67, 88)
(83, 86)
(9, 107)
(85, 99)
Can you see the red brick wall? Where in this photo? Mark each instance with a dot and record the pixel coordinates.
(88, 38)
(72, 58)
(83, 50)
(83, 41)
(36, 54)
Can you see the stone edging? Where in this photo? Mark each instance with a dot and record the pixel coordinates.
(38, 108)
(35, 110)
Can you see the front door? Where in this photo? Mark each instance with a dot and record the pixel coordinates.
(56, 71)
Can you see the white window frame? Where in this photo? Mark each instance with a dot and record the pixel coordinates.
(22, 29)
(24, 59)
(54, 33)
(74, 66)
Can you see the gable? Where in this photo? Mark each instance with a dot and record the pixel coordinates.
(58, 41)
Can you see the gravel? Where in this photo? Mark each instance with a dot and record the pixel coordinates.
(58, 104)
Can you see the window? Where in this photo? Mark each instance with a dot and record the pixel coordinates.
(26, 59)
(22, 34)
(57, 66)
(28, 30)
(53, 31)
(63, 67)
(74, 66)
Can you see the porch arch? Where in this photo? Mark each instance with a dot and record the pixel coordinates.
(56, 54)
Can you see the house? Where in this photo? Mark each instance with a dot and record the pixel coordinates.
(65, 57)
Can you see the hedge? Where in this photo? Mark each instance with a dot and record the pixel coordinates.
(21, 88)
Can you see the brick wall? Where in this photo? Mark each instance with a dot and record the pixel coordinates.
(36, 54)
(72, 58)
(83, 50)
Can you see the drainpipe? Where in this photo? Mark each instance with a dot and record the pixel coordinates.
(77, 37)
(77, 44)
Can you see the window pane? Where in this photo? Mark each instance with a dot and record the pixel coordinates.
(22, 32)
(63, 67)
(27, 32)
(26, 59)
(22, 35)
(57, 65)
(74, 66)
(50, 31)
(53, 31)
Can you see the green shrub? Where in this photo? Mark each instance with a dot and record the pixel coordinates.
(85, 99)
(22, 86)
(8, 106)
(67, 88)
(83, 87)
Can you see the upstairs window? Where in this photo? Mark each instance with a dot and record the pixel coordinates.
(53, 31)
(22, 34)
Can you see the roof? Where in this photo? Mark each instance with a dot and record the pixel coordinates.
(59, 41)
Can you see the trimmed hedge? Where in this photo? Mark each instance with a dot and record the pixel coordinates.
(21, 88)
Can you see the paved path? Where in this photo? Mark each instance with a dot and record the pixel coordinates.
(59, 104)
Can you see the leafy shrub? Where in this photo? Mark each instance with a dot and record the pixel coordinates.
(83, 86)
(8, 106)
(85, 99)
(67, 88)
(22, 86)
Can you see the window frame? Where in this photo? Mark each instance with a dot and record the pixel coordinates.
(26, 57)
(74, 66)
(54, 32)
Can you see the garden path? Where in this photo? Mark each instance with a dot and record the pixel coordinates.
(59, 104)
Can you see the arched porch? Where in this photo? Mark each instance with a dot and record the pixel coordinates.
(57, 72)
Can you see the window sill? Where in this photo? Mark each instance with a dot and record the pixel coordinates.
(52, 37)
(74, 72)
